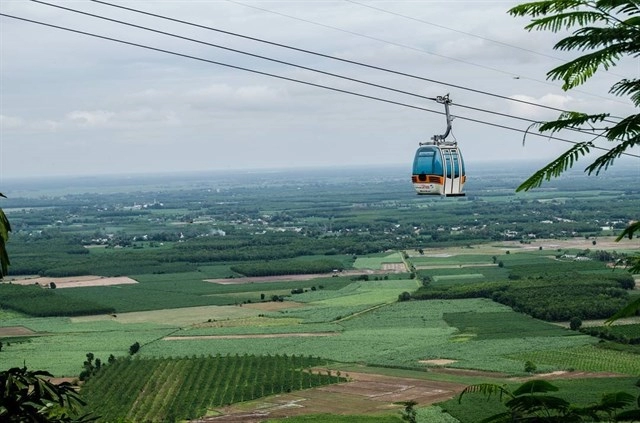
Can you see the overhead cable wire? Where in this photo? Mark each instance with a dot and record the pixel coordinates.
(470, 34)
(116, 40)
(327, 56)
(466, 62)
(118, 21)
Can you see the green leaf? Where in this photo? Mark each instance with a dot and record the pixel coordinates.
(487, 389)
(535, 386)
(627, 311)
(556, 167)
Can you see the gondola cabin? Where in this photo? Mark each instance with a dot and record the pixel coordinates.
(438, 170)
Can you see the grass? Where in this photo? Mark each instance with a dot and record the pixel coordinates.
(498, 325)
(476, 333)
(587, 358)
(375, 262)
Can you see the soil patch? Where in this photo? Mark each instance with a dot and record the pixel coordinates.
(363, 394)
(252, 336)
(437, 362)
(394, 267)
(75, 281)
(273, 305)
(286, 278)
(15, 331)
(568, 375)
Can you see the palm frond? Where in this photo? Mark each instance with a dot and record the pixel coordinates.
(486, 389)
(554, 169)
(535, 386)
(532, 403)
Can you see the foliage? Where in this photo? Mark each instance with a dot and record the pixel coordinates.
(620, 333)
(607, 30)
(409, 414)
(287, 267)
(134, 348)
(28, 396)
(530, 367)
(531, 402)
(36, 301)
(337, 418)
(184, 388)
(552, 297)
(587, 358)
(5, 228)
(575, 323)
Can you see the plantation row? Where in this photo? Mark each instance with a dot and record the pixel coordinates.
(287, 267)
(557, 297)
(626, 334)
(178, 389)
(36, 301)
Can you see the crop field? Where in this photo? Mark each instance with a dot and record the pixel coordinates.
(463, 276)
(178, 389)
(585, 358)
(398, 334)
(375, 263)
(496, 325)
(448, 260)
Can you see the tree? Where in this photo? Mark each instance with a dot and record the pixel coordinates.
(575, 323)
(409, 414)
(405, 296)
(134, 348)
(530, 367)
(5, 228)
(607, 31)
(27, 396)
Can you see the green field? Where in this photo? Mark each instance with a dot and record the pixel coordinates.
(464, 254)
(376, 263)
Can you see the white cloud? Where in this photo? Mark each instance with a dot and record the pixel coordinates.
(86, 118)
(78, 100)
(10, 122)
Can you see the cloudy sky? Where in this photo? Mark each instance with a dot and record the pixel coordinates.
(71, 104)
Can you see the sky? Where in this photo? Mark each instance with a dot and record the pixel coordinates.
(71, 104)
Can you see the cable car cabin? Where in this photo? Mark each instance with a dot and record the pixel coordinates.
(438, 169)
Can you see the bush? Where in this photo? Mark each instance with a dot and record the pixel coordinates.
(575, 323)
(134, 348)
(530, 367)
(405, 296)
